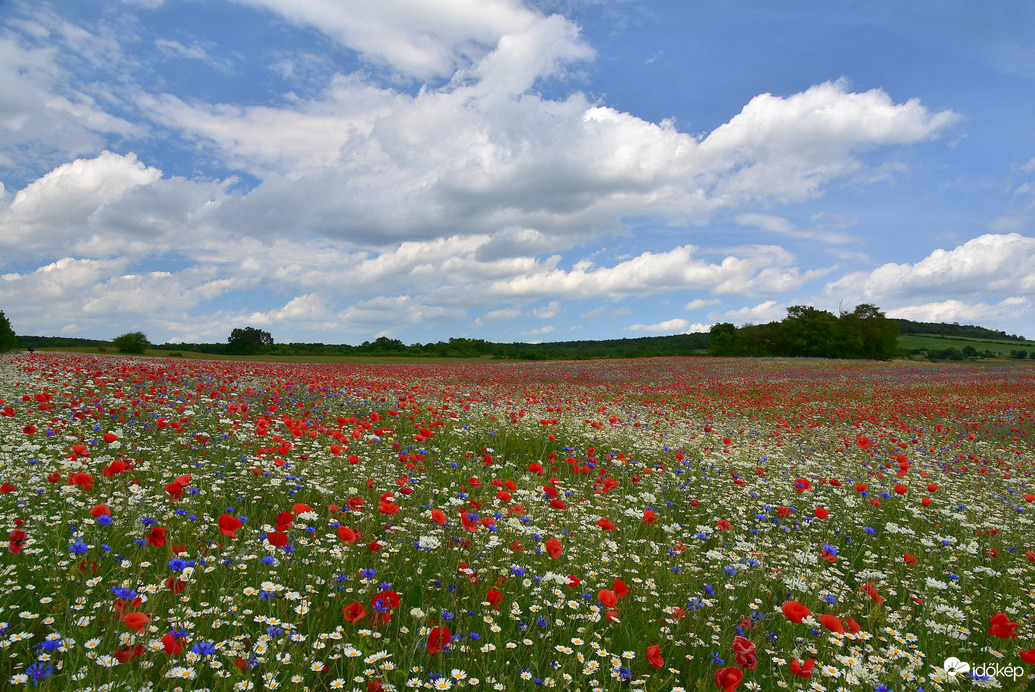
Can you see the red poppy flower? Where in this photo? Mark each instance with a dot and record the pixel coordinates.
(438, 516)
(355, 504)
(910, 559)
(871, 591)
(494, 598)
(606, 524)
(128, 654)
(278, 539)
(437, 639)
(157, 536)
(553, 548)
(723, 525)
(172, 644)
(649, 516)
(803, 670)
(901, 489)
(654, 657)
(832, 623)
(347, 535)
(175, 585)
(98, 510)
(620, 588)
(607, 597)
(16, 540)
(795, 611)
(728, 678)
(354, 612)
(801, 485)
(1002, 627)
(228, 525)
(744, 650)
(137, 621)
(1028, 656)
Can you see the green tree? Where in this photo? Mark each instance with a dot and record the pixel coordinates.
(723, 340)
(248, 341)
(873, 334)
(7, 338)
(131, 342)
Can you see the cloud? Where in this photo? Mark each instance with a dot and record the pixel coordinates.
(45, 115)
(698, 303)
(764, 312)
(761, 269)
(778, 224)
(673, 325)
(1013, 309)
(409, 37)
(980, 266)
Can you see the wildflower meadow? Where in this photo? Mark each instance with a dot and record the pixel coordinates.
(656, 524)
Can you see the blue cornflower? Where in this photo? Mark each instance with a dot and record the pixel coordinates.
(50, 644)
(830, 549)
(730, 569)
(830, 598)
(709, 590)
(38, 671)
(105, 520)
(124, 593)
(716, 659)
(177, 564)
(78, 547)
(368, 573)
(869, 530)
(268, 560)
(204, 648)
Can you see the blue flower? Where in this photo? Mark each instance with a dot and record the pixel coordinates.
(38, 671)
(204, 648)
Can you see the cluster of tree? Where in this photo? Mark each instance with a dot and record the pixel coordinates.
(965, 331)
(8, 340)
(809, 332)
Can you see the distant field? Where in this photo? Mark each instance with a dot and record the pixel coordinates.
(1003, 348)
(372, 360)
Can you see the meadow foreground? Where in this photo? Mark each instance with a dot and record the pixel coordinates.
(660, 524)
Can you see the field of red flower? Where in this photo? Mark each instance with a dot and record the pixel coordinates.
(663, 524)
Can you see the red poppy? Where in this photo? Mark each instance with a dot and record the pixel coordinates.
(649, 516)
(494, 598)
(654, 657)
(795, 611)
(228, 525)
(172, 644)
(128, 654)
(744, 651)
(1028, 656)
(803, 670)
(605, 524)
(175, 585)
(110, 437)
(347, 535)
(832, 623)
(910, 559)
(278, 539)
(437, 639)
(553, 548)
(861, 487)
(137, 621)
(354, 612)
(1002, 627)
(801, 485)
(157, 536)
(607, 597)
(438, 516)
(822, 513)
(901, 489)
(871, 591)
(728, 678)
(723, 525)
(383, 603)
(16, 540)
(620, 588)
(387, 507)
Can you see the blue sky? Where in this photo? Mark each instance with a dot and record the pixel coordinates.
(511, 171)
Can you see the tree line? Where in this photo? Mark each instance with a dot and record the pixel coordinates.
(809, 332)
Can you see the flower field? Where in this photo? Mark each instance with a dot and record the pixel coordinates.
(663, 524)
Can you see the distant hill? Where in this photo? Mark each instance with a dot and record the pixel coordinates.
(967, 331)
